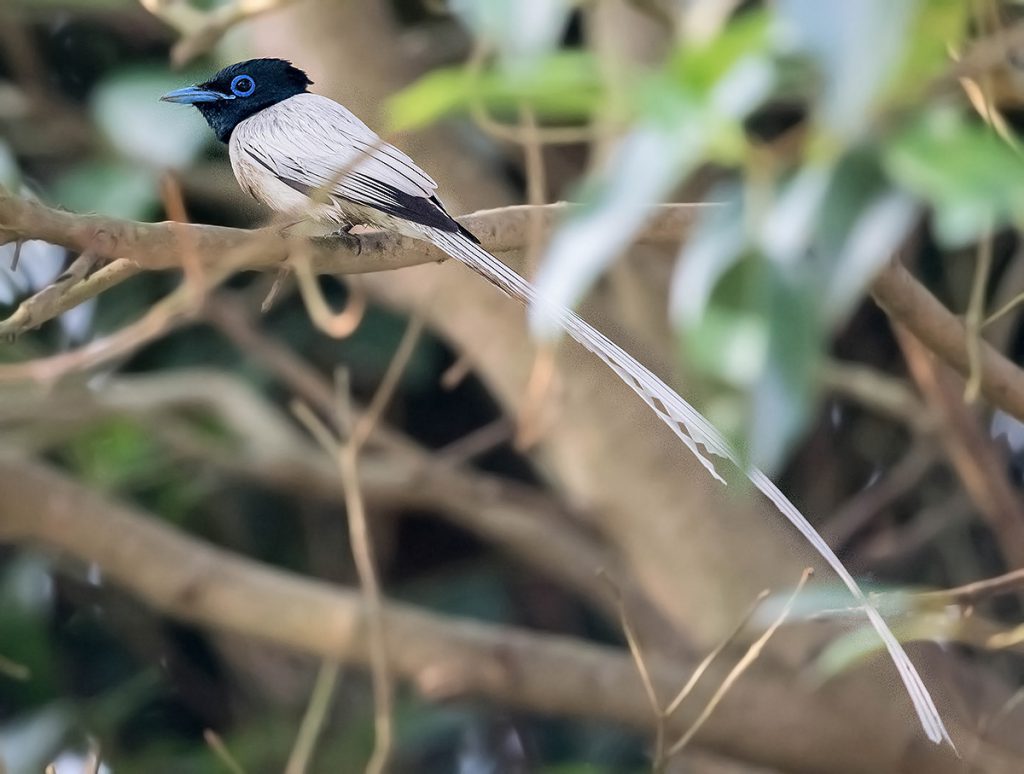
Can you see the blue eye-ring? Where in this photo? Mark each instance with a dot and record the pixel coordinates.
(242, 85)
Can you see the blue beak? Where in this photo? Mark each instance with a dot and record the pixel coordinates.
(191, 95)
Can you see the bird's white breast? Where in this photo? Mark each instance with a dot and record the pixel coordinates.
(310, 146)
(259, 182)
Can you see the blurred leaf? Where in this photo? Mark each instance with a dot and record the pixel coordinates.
(563, 86)
(880, 230)
(832, 601)
(842, 221)
(692, 113)
(29, 741)
(788, 227)
(699, 67)
(522, 31)
(939, 27)
(114, 453)
(970, 176)
(127, 110)
(117, 189)
(38, 265)
(833, 34)
(639, 174)
(784, 398)
(758, 336)
(10, 176)
(714, 248)
(730, 344)
(975, 630)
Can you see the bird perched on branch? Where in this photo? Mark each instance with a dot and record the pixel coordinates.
(305, 155)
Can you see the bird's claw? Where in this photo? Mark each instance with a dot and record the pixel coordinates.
(351, 241)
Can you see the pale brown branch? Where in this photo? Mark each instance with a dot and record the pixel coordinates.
(979, 463)
(765, 720)
(910, 304)
(156, 246)
(46, 305)
(878, 391)
(975, 316)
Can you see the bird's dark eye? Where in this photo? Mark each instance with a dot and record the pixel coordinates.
(242, 85)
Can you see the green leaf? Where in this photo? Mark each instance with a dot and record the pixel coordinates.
(118, 189)
(940, 25)
(563, 86)
(114, 453)
(970, 176)
(698, 67)
(833, 35)
(10, 176)
(127, 110)
(759, 338)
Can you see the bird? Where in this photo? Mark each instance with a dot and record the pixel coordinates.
(308, 157)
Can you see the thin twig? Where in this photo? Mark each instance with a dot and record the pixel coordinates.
(877, 391)
(337, 325)
(970, 594)
(975, 317)
(706, 662)
(645, 676)
(744, 663)
(859, 510)
(14, 670)
(216, 744)
(346, 452)
(475, 443)
(313, 720)
(181, 305)
(43, 307)
(362, 549)
(386, 390)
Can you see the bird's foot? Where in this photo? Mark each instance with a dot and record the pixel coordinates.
(345, 236)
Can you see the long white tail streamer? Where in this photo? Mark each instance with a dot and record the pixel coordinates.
(695, 431)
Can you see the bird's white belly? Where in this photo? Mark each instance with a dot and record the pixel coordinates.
(266, 187)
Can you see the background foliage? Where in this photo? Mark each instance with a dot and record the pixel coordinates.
(829, 135)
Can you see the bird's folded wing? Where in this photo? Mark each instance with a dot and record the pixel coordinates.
(318, 147)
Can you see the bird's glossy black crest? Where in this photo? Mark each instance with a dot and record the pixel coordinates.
(249, 87)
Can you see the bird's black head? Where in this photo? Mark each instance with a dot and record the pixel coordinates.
(240, 90)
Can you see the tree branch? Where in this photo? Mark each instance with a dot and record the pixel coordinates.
(269, 452)
(767, 720)
(909, 303)
(157, 246)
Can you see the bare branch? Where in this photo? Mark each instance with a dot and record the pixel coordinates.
(766, 720)
(909, 303)
(156, 246)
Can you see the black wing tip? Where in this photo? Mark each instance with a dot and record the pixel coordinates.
(466, 232)
(453, 224)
